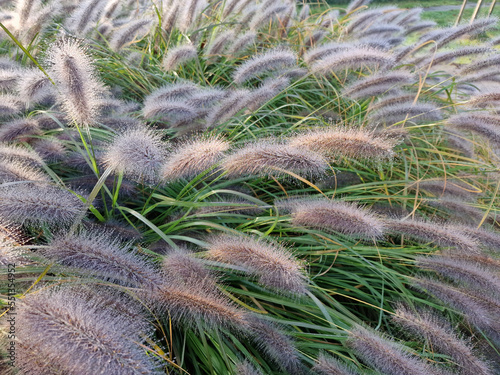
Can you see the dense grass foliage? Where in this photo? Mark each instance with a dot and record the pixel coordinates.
(247, 187)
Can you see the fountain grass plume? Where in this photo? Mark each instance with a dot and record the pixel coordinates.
(411, 112)
(486, 238)
(15, 170)
(264, 16)
(277, 345)
(236, 101)
(39, 204)
(76, 335)
(447, 189)
(274, 59)
(458, 210)
(484, 100)
(359, 20)
(207, 97)
(269, 88)
(470, 118)
(179, 55)
(229, 7)
(245, 368)
(220, 43)
(356, 4)
(272, 264)
(173, 112)
(199, 301)
(482, 125)
(34, 86)
(193, 157)
(478, 26)
(431, 232)
(189, 14)
(9, 78)
(304, 13)
(479, 65)
(10, 105)
(85, 16)
(172, 91)
(129, 32)
(182, 265)
(359, 144)
(461, 271)
(337, 216)
(21, 130)
(377, 84)
(384, 354)
(392, 99)
(241, 43)
(384, 30)
(325, 50)
(447, 56)
(79, 89)
(478, 307)
(355, 58)
(101, 254)
(170, 17)
(273, 158)
(419, 26)
(328, 365)
(138, 153)
(21, 154)
(438, 333)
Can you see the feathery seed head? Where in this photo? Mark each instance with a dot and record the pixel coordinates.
(39, 204)
(429, 326)
(274, 265)
(277, 345)
(326, 214)
(220, 43)
(100, 254)
(241, 43)
(384, 354)
(193, 302)
(378, 84)
(447, 188)
(194, 157)
(12, 170)
(416, 113)
(245, 368)
(271, 158)
(327, 365)
(356, 4)
(462, 272)
(267, 91)
(85, 16)
(139, 153)
(478, 307)
(179, 55)
(129, 32)
(235, 101)
(63, 330)
(183, 266)
(21, 129)
(354, 58)
(351, 143)
(77, 82)
(442, 235)
(268, 61)
(34, 86)
(20, 154)
(10, 105)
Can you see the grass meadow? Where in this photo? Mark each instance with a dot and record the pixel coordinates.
(248, 187)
